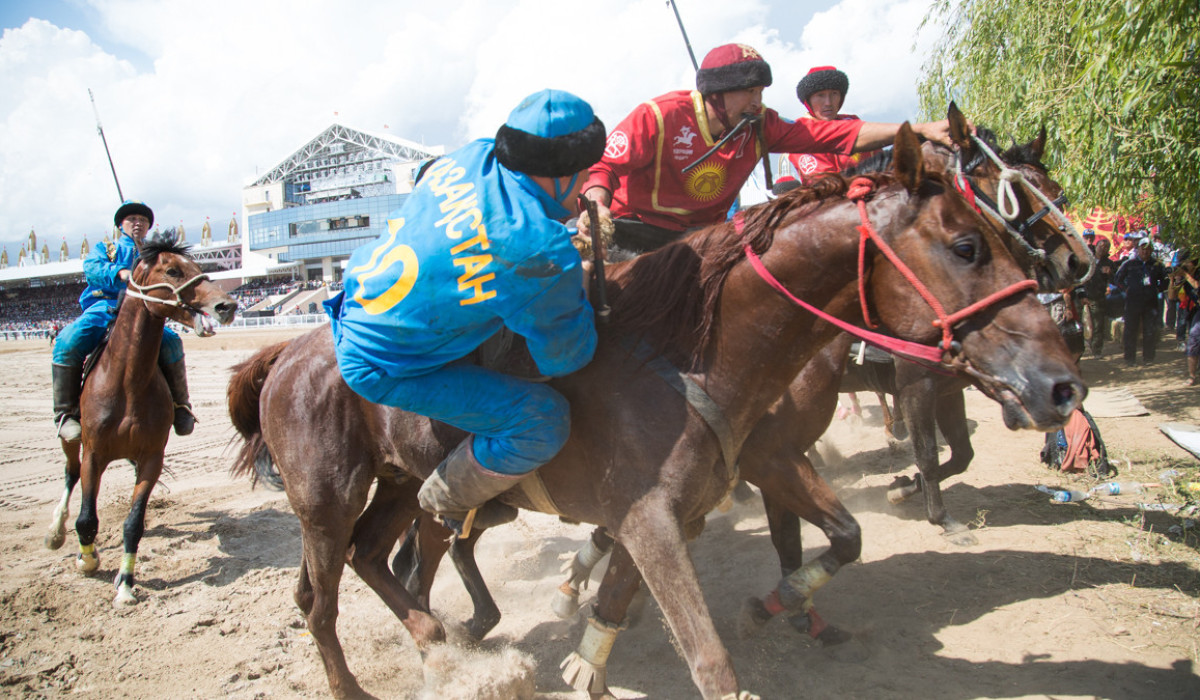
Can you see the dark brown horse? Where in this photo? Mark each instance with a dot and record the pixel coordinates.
(641, 460)
(126, 407)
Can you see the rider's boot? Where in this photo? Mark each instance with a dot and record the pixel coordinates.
(176, 374)
(461, 484)
(67, 383)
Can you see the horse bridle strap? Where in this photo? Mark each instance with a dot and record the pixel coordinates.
(858, 192)
(1006, 196)
(137, 291)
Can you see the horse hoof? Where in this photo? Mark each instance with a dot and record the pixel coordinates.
(54, 540)
(899, 494)
(961, 538)
(752, 617)
(565, 602)
(125, 597)
(87, 565)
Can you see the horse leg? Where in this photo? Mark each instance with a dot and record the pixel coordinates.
(916, 393)
(802, 492)
(416, 562)
(57, 533)
(327, 513)
(303, 595)
(486, 615)
(951, 416)
(587, 668)
(88, 522)
(655, 541)
(376, 530)
(579, 571)
(148, 471)
(899, 429)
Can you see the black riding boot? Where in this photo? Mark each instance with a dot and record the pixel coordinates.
(176, 374)
(67, 383)
(461, 484)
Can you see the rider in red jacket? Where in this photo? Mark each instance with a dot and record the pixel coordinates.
(666, 170)
(822, 92)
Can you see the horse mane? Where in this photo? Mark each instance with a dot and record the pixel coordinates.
(163, 242)
(671, 300)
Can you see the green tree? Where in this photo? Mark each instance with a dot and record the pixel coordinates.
(1116, 83)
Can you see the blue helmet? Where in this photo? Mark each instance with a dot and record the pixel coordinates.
(552, 133)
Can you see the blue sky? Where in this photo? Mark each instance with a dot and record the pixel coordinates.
(196, 98)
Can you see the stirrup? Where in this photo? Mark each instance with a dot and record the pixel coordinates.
(58, 426)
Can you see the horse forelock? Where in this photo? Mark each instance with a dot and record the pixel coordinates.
(164, 242)
(672, 300)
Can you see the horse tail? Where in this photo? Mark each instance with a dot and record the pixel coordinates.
(243, 398)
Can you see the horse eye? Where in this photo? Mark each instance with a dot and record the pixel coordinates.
(174, 272)
(965, 250)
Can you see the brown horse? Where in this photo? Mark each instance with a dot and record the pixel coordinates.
(126, 406)
(779, 444)
(641, 460)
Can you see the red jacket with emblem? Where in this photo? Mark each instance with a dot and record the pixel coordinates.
(647, 151)
(805, 166)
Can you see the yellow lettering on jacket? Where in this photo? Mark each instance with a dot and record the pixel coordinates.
(376, 266)
(470, 279)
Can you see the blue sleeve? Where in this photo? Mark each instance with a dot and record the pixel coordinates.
(101, 272)
(1119, 278)
(557, 322)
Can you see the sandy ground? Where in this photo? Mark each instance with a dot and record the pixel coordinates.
(1064, 601)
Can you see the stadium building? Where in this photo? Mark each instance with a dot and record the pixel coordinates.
(328, 198)
(302, 220)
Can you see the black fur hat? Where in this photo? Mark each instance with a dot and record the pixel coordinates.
(732, 67)
(822, 78)
(130, 207)
(552, 133)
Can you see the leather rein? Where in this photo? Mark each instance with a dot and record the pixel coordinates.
(945, 352)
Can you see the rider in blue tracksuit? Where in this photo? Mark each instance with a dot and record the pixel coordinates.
(107, 270)
(476, 247)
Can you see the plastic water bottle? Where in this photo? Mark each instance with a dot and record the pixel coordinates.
(1062, 496)
(1114, 488)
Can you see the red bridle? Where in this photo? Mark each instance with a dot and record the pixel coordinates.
(859, 191)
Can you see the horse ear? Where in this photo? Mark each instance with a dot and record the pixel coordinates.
(960, 132)
(907, 159)
(1037, 147)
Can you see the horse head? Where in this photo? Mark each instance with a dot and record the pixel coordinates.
(1016, 185)
(172, 286)
(949, 279)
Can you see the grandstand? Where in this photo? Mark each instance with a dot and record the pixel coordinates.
(303, 219)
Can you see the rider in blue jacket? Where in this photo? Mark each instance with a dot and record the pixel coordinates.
(107, 270)
(478, 247)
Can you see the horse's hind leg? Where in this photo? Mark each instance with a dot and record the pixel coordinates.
(485, 615)
(57, 533)
(148, 469)
(377, 529)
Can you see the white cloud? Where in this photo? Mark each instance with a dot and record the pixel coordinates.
(234, 86)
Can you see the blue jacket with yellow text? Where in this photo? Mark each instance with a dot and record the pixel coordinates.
(475, 247)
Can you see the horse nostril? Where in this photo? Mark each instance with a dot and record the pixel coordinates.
(226, 308)
(1066, 396)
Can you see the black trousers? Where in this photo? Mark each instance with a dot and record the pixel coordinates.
(1141, 319)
